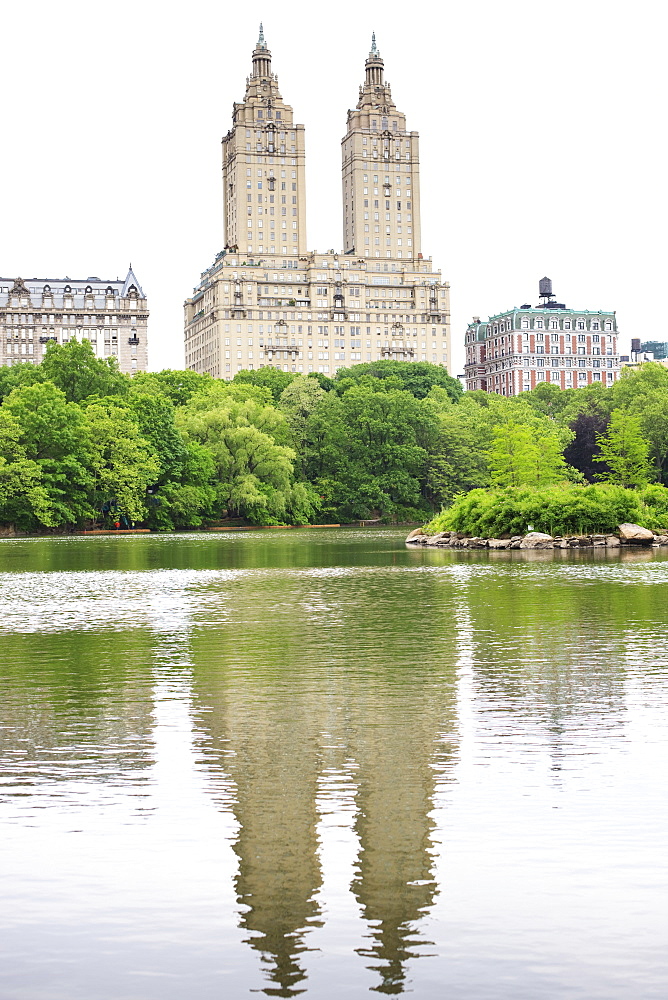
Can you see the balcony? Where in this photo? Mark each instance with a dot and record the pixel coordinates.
(388, 351)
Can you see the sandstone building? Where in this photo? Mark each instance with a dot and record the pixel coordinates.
(112, 315)
(514, 351)
(267, 300)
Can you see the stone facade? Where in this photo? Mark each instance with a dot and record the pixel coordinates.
(111, 314)
(515, 351)
(266, 300)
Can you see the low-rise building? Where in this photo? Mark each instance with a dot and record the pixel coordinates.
(514, 351)
(111, 314)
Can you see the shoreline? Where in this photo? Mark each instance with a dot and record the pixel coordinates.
(629, 535)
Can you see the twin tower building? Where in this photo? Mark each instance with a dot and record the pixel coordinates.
(269, 301)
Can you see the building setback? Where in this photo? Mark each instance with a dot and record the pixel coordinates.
(112, 315)
(268, 301)
(515, 351)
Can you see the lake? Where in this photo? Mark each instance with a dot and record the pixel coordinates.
(319, 762)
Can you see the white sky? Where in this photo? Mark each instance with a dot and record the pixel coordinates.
(542, 131)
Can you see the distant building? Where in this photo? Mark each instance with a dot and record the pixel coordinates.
(267, 301)
(657, 348)
(112, 315)
(514, 351)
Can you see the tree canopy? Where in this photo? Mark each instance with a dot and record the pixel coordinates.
(81, 443)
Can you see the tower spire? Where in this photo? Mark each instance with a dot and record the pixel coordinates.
(374, 65)
(261, 57)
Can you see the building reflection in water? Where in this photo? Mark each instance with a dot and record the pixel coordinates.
(263, 731)
(270, 725)
(395, 884)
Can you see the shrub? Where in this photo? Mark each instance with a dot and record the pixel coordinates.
(558, 510)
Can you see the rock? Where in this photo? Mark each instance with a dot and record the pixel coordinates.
(561, 543)
(498, 543)
(415, 535)
(516, 543)
(661, 539)
(598, 539)
(612, 542)
(477, 543)
(634, 533)
(438, 538)
(537, 540)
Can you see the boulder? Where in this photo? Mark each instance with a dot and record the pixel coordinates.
(634, 533)
(598, 539)
(561, 543)
(661, 539)
(477, 543)
(537, 540)
(612, 542)
(415, 535)
(498, 543)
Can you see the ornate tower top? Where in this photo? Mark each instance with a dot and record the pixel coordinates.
(374, 65)
(375, 92)
(261, 59)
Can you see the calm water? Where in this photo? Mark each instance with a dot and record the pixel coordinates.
(319, 762)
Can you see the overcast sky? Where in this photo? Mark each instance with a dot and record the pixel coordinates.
(542, 130)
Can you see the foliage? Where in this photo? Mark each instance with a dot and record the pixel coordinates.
(178, 386)
(365, 452)
(269, 378)
(518, 457)
(53, 435)
(75, 369)
(23, 500)
(643, 392)
(583, 452)
(120, 462)
(253, 474)
(389, 440)
(561, 509)
(624, 450)
(416, 377)
(297, 402)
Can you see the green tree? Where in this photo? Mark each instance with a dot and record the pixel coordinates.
(254, 476)
(270, 378)
(54, 436)
(24, 373)
(458, 450)
(624, 449)
(298, 401)
(75, 369)
(23, 500)
(518, 457)
(366, 452)
(416, 377)
(644, 392)
(178, 386)
(122, 464)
